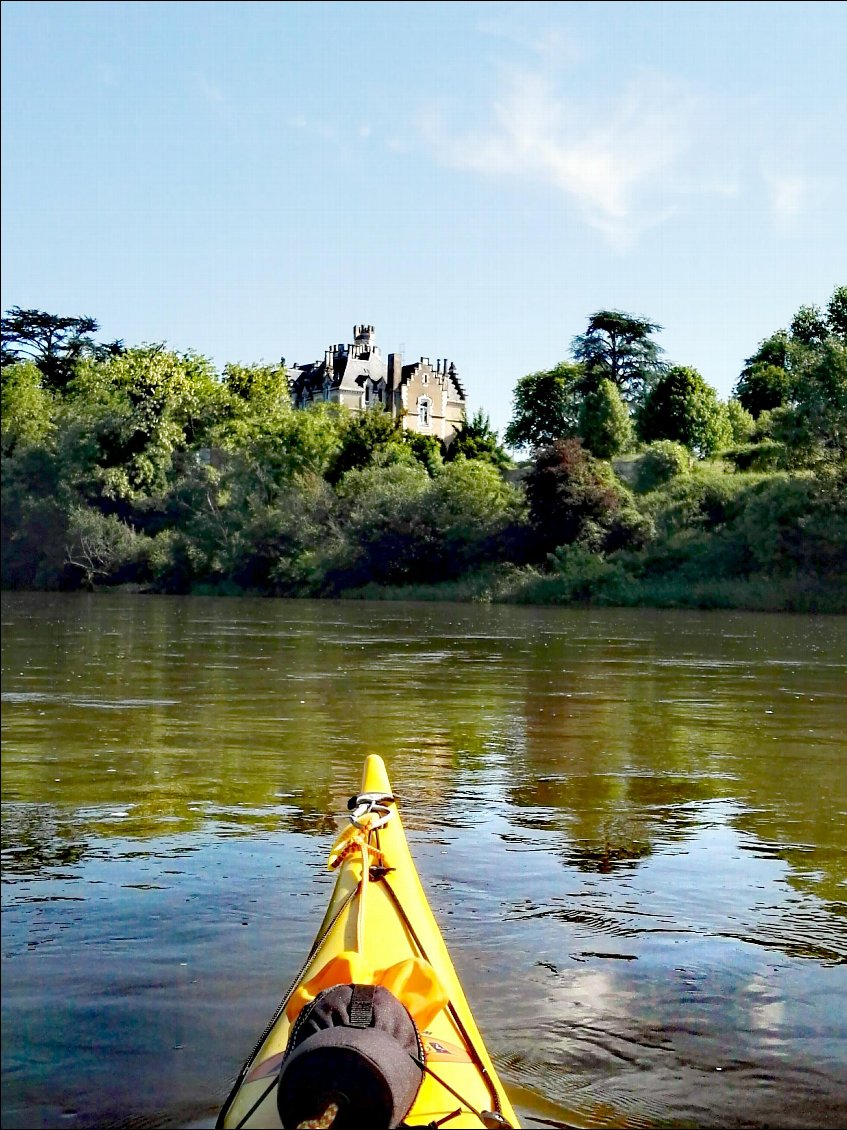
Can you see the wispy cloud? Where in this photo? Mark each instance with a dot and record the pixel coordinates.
(315, 128)
(215, 98)
(788, 196)
(616, 164)
(553, 45)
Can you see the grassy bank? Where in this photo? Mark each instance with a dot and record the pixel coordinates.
(529, 586)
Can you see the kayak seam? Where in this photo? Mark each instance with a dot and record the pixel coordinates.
(270, 1025)
(471, 1047)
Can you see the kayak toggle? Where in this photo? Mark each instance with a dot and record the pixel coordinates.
(371, 804)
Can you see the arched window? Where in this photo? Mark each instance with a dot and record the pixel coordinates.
(424, 405)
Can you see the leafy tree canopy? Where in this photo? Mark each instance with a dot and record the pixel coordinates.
(54, 343)
(741, 422)
(365, 437)
(122, 419)
(796, 385)
(767, 380)
(27, 407)
(809, 326)
(544, 407)
(604, 421)
(425, 449)
(764, 383)
(837, 314)
(260, 386)
(813, 426)
(476, 439)
(620, 348)
(571, 495)
(684, 408)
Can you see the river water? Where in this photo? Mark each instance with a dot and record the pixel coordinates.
(630, 825)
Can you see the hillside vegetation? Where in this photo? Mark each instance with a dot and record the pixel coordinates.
(145, 468)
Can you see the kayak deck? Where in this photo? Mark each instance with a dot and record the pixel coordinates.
(379, 928)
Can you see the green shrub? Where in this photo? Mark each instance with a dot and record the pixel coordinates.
(582, 575)
(796, 524)
(572, 496)
(100, 546)
(703, 500)
(662, 461)
(767, 455)
(426, 449)
(741, 423)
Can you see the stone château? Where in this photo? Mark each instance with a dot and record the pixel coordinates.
(425, 398)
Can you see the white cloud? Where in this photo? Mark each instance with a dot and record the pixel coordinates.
(788, 195)
(618, 164)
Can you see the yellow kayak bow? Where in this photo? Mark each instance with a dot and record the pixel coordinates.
(378, 931)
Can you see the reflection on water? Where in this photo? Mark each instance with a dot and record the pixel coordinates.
(631, 826)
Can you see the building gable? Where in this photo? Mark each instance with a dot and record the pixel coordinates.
(424, 398)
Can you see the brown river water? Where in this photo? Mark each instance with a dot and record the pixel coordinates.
(630, 825)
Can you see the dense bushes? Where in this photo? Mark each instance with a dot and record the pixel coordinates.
(142, 468)
(401, 526)
(572, 497)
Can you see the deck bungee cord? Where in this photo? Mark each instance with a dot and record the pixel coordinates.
(374, 1029)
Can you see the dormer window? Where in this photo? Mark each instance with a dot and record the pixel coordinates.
(374, 392)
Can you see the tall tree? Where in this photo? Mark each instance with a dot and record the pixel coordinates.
(619, 347)
(476, 439)
(809, 326)
(263, 386)
(27, 407)
(813, 426)
(124, 419)
(836, 311)
(54, 343)
(684, 408)
(799, 378)
(544, 407)
(365, 437)
(604, 421)
(764, 383)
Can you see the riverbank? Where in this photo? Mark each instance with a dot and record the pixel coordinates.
(528, 586)
(589, 582)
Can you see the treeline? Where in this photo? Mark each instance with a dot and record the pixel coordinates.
(143, 467)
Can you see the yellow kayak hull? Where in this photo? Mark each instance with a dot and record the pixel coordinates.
(377, 921)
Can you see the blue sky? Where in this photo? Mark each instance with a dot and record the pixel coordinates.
(249, 180)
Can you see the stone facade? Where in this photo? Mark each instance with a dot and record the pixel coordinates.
(425, 398)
